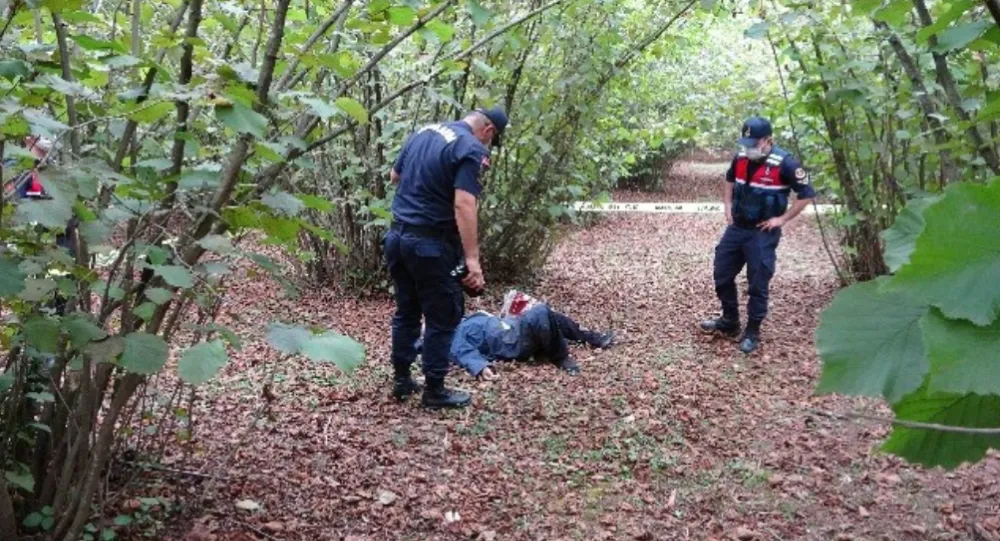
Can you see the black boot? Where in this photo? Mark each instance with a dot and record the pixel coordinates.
(437, 396)
(751, 337)
(728, 325)
(569, 365)
(404, 385)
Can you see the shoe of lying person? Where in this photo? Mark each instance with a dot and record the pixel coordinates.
(570, 365)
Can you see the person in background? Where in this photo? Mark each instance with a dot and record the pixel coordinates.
(756, 191)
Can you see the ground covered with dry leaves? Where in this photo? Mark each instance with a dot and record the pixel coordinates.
(670, 435)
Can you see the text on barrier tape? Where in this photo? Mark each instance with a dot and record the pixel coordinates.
(675, 208)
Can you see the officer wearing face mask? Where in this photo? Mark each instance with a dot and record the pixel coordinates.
(756, 193)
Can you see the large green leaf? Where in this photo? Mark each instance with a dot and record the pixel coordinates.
(333, 347)
(937, 448)
(870, 343)
(81, 330)
(956, 10)
(23, 480)
(174, 275)
(11, 278)
(242, 119)
(283, 202)
(354, 108)
(53, 213)
(864, 7)
(149, 113)
(202, 362)
(964, 358)
(402, 15)
(957, 258)
(12, 69)
(42, 334)
(479, 14)
(144, 353)
(901, 238)
(957, 37)
(289, 339)
(320, 108)
(895, 12)
(105, 350)
(37, 289)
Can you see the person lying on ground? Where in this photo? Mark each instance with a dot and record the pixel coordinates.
(540, 332)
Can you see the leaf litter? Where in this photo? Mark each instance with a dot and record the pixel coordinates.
(672, 434)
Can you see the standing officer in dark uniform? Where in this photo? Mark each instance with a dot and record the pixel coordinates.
(434, 230)
(756, 194)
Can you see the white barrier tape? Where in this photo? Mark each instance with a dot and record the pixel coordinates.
(676, 208)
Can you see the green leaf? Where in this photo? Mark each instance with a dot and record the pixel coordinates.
(242, 119)
(12, 69)
(202, 362)
(402, 15)
(963, 357)
(11, 278)
(288, 339)
(36, 289)
(219, 244)
(41, 397)
(864, 7)
(354, 108)
(949, 450)
(479, 14)
(42, 334)
(443, 31)
(174, 275)
(147, 114)
(144, 353)
(319, 107)
(333, 347)
(6, 381)
(52, 213)
(123, 520)
(895, 13)
(145, 311)
(82, 330)
(957, 37)
(901, 238)
(24, 481)
(283, 202)
(159, 295)
(870, 343)
(957, 257)
(315, 202)
(757, 30)
(956, 10)
(105, 350)
(33, 520)
(93, 44)
(199, 177)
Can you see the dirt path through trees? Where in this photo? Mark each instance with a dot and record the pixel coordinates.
(670, 435)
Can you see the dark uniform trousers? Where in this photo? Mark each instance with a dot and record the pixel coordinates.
(420, 262)
(756, 249)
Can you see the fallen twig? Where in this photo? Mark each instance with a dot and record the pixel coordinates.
(907, 424)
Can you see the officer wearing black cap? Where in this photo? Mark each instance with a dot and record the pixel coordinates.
(756, 192)
(434, 230)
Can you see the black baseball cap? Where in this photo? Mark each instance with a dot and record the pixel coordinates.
(753, 130)
(498, 118)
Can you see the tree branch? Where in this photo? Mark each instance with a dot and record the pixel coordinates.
(290, 74)
(67, 74)
(994, 7)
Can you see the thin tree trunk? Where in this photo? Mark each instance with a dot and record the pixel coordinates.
(947, 81)
(67, 74)
(8, 521)
(994, 7)
(949, 170)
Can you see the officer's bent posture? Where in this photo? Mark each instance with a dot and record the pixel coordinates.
(541, 332)
(756, 196)
(434, 228)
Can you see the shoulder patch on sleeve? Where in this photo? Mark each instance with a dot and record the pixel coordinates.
(800, 173)
(485, 163)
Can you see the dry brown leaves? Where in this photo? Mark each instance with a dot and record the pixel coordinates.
(670, 435)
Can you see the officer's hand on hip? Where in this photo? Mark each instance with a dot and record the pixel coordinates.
(729, 216)
(773, 223)
(487, 375)
(474, 280)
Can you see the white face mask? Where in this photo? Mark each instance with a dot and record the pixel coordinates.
(754, 153)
